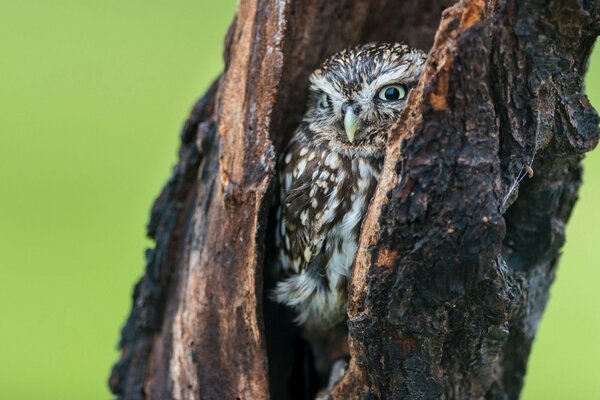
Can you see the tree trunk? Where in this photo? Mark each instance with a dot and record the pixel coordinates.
(461, 241)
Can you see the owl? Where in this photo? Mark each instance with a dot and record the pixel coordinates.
(329, 173)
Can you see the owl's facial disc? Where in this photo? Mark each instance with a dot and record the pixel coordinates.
(358, 94)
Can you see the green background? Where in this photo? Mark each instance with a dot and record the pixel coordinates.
(92, 97)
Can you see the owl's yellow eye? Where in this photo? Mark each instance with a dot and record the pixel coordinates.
(324, 101)
(392, 93)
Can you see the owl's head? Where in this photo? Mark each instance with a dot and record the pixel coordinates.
(356, 95)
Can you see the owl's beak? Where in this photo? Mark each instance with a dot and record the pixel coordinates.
(350, 123)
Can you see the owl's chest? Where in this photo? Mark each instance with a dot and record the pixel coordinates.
(325, 198)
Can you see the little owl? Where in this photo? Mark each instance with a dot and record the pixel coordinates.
(328, 175)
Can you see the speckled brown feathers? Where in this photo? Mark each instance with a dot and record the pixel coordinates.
(329, 173)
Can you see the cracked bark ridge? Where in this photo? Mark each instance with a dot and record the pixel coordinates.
(447, 289)
(454, 266)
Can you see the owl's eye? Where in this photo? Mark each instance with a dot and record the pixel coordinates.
(392, 93)
(324, 101)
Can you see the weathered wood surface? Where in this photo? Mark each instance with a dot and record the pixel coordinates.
(452, 273)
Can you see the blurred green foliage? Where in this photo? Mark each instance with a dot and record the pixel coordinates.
(92, 97)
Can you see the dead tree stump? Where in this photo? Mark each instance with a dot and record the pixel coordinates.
(461, 241)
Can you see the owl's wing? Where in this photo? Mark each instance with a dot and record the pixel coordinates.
(301, 230)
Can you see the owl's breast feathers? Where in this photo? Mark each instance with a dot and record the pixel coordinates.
(324, 196)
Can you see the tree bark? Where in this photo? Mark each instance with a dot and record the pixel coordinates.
(461, 241)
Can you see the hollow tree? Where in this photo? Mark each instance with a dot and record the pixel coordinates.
(461, 241)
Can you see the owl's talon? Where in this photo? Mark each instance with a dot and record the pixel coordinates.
(338, 370)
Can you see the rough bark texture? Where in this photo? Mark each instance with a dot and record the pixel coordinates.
(456, 258)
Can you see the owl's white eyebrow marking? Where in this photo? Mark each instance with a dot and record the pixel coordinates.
(395, 76)
(325, 85)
